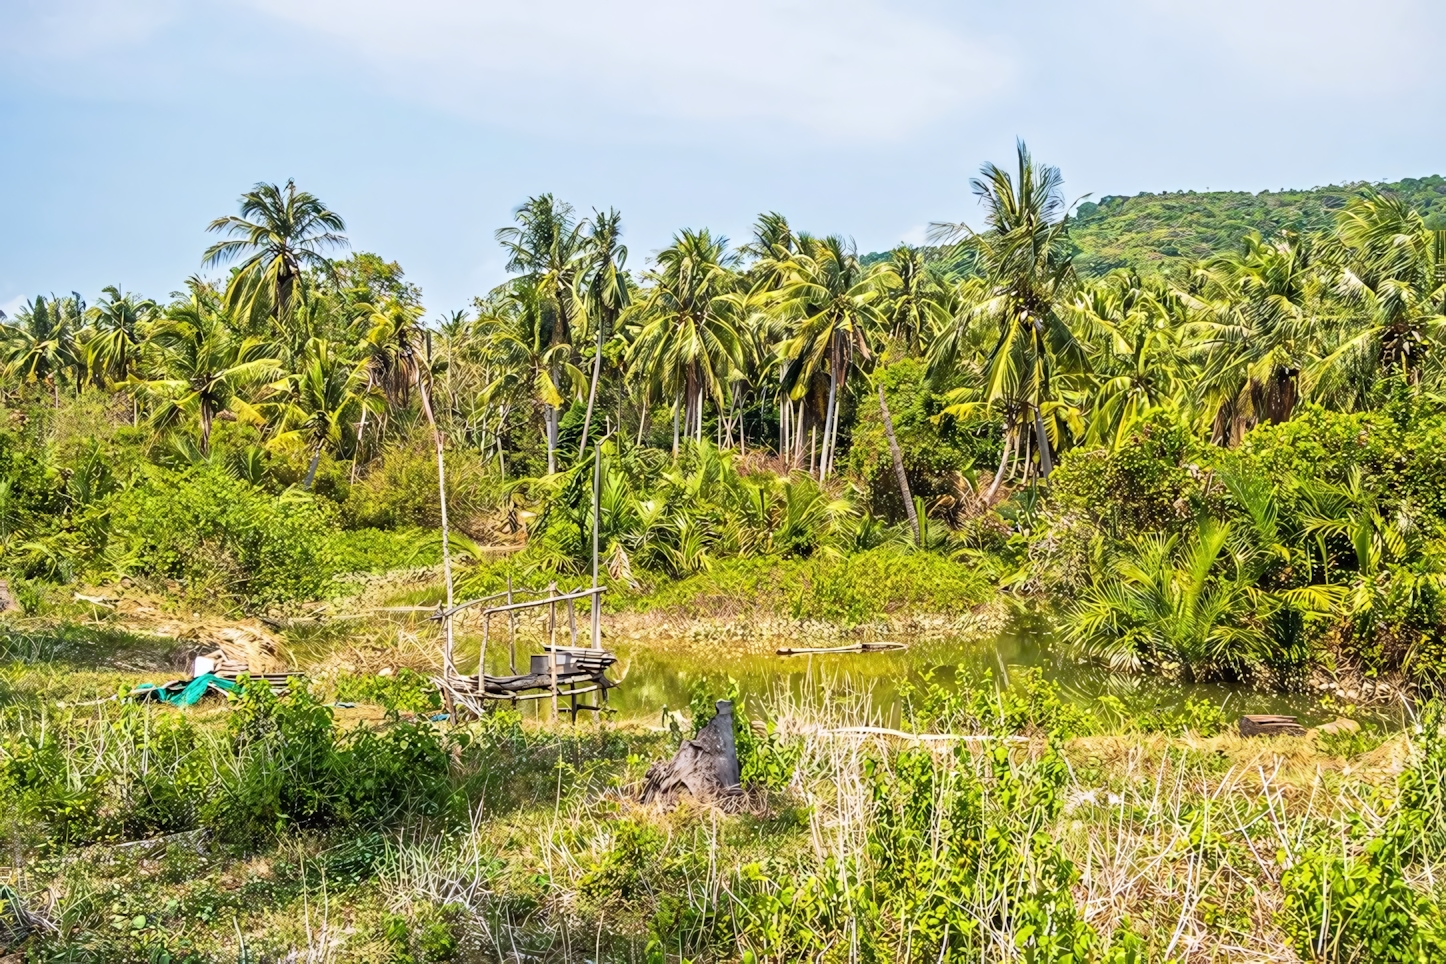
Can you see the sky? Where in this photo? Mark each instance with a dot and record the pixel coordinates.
(126, 127)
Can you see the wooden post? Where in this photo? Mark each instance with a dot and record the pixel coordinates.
(595, 611)
(511, 631)
(552, 649)
(482, 659)
(572, 621)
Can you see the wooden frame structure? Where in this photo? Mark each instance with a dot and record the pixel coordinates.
(563, 671)
(582, 669)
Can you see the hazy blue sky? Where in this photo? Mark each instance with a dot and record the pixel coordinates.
(126, 126)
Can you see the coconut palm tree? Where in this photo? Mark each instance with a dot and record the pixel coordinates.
(689, 340)
(320, 400)
(204, 367)
(547, 247)
(916, 302)
(280, 232)
(1260, 328)
(1024, 260)
(119, 317)
(1138, 358)
(1392, 285)
(41, 346)
(606, 293)
(833, 302)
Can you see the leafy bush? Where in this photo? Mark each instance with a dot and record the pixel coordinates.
(294, 769)
(847, 589)
(960, 859)
(399, 490)
(407, 690)
(221, 536)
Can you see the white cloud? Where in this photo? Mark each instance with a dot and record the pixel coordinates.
(1312, 46)
(849, 70)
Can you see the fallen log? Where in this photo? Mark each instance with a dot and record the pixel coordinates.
(705, 767)
(851, 648)
(1270, 725)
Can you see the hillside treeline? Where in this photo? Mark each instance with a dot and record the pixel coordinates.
(1227, 469)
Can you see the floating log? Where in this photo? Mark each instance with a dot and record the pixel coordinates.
(1270, 725)
(705, 767)
(851, 648)
(903, 735)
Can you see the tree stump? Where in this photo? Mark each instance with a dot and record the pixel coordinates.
(8, 602)
(1265, 725)
(706, 767)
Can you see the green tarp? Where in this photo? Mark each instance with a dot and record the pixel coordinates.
(183, 692)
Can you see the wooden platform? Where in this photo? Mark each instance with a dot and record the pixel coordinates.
(279, 682)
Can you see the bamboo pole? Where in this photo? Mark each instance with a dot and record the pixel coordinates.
(595, 608)
(511, 631)
(482, 659)
(552, 650)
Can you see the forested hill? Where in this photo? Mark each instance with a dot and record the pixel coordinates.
(1152, 232)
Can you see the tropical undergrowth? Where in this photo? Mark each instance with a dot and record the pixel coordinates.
(1320, 541)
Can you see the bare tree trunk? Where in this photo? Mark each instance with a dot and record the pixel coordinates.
(448, 667)
(785, 435)
(592, 390)
(1003, 464)
(361, 428)
(550, 414)
(831, 413)
(899, 472)
(311, 470)
(1046, 464)
(677, 405)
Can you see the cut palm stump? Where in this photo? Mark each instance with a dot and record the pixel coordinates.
(1268, 725)
(705, 767)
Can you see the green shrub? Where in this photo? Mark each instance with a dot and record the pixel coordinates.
(294, 769)
(408, 690)
(221, 536)
(399, 490)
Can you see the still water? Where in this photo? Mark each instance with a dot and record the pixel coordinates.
(658, 676)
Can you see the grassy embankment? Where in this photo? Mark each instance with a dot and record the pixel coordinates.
(274, 828)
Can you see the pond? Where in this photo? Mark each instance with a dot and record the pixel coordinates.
(659, 675)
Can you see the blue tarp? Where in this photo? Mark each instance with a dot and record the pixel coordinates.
(183, 692)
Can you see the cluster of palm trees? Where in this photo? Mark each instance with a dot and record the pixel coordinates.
(794, 325)
(772, 344)
(305, 349)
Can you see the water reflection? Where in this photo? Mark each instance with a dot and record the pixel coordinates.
(659, 675)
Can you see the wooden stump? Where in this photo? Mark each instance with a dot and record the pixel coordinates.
(706, 767)
(1266, 725)
(8, 602)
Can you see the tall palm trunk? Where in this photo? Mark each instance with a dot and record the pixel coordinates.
(1046, 463)
(361, 427)
(1004, 449)
(677, 410)
(206, 416)
(448, 666)
(311, 469)
(592, 389)
(831, 412)
(899, 472)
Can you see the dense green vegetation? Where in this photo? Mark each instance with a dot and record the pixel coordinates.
(1229, 469)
